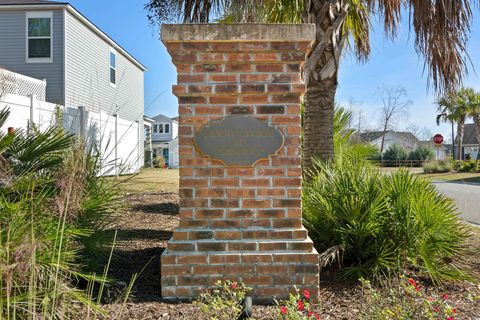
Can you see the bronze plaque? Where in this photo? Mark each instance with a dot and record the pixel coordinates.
(238, 140)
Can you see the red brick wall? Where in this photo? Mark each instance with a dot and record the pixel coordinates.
(239, 223)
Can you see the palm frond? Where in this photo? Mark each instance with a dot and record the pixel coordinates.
(186, 11)
(4, 113)
(33, 152)
(357, 28)
(441, 37)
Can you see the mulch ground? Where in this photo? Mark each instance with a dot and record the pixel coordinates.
(148, 224)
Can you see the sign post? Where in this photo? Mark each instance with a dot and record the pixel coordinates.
(438, 141)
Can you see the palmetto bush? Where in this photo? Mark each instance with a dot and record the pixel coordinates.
(55, 220)
(395, 153)
(374, 224)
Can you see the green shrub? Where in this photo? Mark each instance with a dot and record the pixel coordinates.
(159, 162)
(422, 153)
(404, 299)
(395, 153)
(224, 302)
(55, 212)
(375, 224)
(467, 166)
(438, 166)
(346, 144)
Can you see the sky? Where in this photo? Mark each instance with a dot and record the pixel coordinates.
(391, 64)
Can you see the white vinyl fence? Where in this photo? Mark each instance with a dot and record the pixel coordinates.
(118, 140)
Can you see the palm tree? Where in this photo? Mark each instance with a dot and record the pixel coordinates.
(441, 33)
(474, 112)
(456, 107)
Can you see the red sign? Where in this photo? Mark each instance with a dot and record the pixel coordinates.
(438, 138)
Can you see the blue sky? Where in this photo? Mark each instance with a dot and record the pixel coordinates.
(390, 64)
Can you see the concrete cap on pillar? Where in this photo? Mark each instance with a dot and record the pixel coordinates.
(237, 32)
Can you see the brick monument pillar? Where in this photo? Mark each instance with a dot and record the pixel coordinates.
(239, 90)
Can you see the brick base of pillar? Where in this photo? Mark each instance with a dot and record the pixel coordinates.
(271, 267)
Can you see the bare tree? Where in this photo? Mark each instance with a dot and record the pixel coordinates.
(422, 134)
(357, 113)
(395, 107)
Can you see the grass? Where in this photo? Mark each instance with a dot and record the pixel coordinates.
(154, 179)
(149, 180)
(452, 176)
(448, 176)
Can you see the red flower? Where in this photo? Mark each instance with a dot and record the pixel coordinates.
(306, 294)
(450, 318)
(436, 309)
(310, 313)
(445, 296)
(317, 316)
(283, 310)
(454, 310)
(412, 282)
(234, 286)
(417, 288)
(300, 305)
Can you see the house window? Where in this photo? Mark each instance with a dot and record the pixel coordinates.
(155, 128)
(39, 37)
(167, 128)
(160, 128)
(113, 66)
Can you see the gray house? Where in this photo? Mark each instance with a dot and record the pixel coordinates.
(470, 142)
(165, 139)
(82, 66)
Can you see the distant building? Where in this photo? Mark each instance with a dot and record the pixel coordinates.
(148, 147)
(404, 139)
(470, 142)
(165, 139)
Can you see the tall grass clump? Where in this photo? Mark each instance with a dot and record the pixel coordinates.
(55, 219)
(438, 166)
(373, 224)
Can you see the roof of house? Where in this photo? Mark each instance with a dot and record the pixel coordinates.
(374, 135)
(469, 135)
(162, 118)
(148, 119)
(370, 136)
(26, 4)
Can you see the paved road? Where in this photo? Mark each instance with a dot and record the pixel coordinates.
(466, 196)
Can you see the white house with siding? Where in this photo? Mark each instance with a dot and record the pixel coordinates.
(404, 139)
(82, 66)
(165, 139)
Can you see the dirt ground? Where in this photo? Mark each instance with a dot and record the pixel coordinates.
(148, 224)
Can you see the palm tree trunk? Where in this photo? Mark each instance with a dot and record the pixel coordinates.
(460, 130)
(319, 102)
(320, 75)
